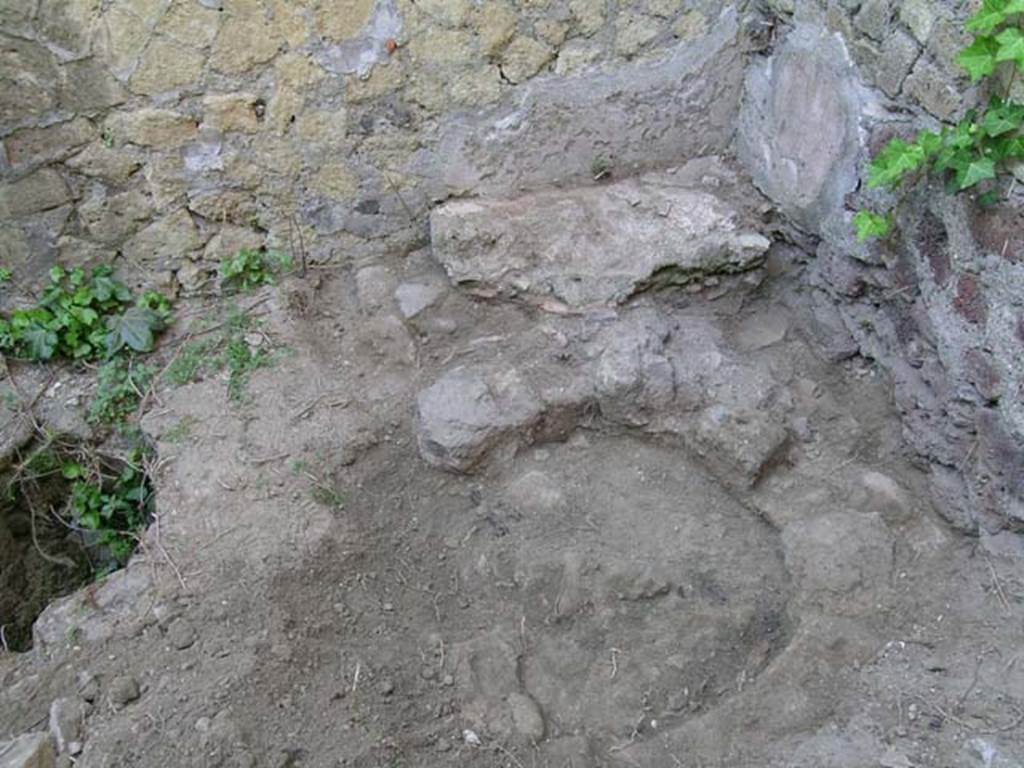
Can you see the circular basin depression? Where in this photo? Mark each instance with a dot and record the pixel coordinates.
(622, 591)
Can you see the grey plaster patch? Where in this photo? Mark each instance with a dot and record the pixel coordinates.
(798, 129)
(636, 115)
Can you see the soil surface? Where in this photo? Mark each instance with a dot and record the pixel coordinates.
(314, 593)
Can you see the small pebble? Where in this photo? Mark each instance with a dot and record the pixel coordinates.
(124, 689)
(386, 687)
(448, 681)
(181, 635)
(443, 745)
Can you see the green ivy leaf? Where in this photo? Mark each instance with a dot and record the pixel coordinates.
(977, 171)
(990, 198)
(40, 342)
(134, 329)
(894, 162)
(929, 142)
(1011, 46)
(993, 13)
(979, 58)
(871, 225)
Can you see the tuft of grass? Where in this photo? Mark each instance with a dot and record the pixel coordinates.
(189, 365)
(181, 431)
(121, 385)
(230, 350)
(242, 360)
(326, 495)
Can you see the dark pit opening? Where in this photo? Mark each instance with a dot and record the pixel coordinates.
(70, 513)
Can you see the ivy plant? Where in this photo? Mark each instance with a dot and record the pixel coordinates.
(972, 153)
(84, 316)
(115, 506)
(249, 269)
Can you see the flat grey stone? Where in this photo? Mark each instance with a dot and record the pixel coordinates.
(594, 245)
(413, 298)
(798, 132)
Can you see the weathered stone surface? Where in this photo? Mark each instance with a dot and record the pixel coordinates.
(230, 112)
(33, 750)
(599, 244)
(806, 165)
(873, 18)
(443, 47)
(243, 43)
(919, 16)
(635, 31)
(28, 81)
(231, 239)
(67, 725)
(122, 38)
(108, 163)
(151, 127)
(66, 23)
(690, 25)
(41, 191)
(336, 181)
(739, 444)
(32, 146)
(114, 600)
(165, 66)
(930, 87)
(123, 690)
(523, 58)
(15, 428)
(87, 86)
(497, 23)
(633, 377)
(165, 241)
(536, 493)
(632, 113)
(469, 411)
(413, 298)
(342, 19)
(589, 14)
(897, 56)
(112, 218)
(190, 24)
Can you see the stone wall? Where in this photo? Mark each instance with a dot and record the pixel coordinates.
(167, 134)
(941, 307)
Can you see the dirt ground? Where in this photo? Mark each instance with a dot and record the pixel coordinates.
(314, 594)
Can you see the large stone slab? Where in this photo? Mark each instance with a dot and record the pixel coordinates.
(799, 127)
(594, 245)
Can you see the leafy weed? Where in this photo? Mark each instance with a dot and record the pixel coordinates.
(84, 317)
(973, 153)
(249, 269)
